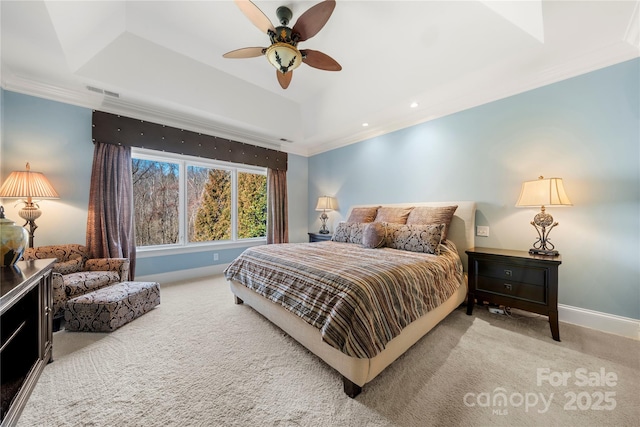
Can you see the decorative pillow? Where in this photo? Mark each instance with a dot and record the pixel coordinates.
(67, 267)
(364, 214)
(414, 238)
(373, 235)
(394, 215)
(356, 231)
(427, 215)
(341, 233)
(348, 232)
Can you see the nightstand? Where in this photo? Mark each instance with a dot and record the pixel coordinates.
(317, 237)
(515, 279)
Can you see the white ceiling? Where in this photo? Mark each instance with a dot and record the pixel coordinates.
(164, 59)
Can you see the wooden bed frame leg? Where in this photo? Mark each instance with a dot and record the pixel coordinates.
(350, 388)
(237, 300)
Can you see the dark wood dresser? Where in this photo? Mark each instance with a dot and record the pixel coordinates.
(515, 279)
(26, 310)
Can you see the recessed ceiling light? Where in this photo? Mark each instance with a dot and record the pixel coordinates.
(414, 104)
(364, 125)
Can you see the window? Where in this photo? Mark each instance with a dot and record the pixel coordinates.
(186, 201)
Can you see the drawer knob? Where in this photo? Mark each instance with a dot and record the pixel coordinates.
(508, 273)
(508, 286)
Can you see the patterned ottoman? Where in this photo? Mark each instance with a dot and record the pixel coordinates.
(108, 308)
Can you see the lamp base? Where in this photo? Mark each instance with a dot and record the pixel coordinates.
(544, 252)
(324, 231)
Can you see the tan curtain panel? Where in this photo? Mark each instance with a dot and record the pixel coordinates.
(277, 205)
(110, 227)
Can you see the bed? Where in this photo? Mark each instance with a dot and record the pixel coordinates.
(259, 275)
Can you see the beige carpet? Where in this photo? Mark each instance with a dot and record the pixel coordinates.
(200, 360)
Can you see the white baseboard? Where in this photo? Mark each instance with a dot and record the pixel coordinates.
(182, 275)
(604, 322)
(618, 325)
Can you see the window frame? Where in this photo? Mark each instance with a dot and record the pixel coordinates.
(183, 161)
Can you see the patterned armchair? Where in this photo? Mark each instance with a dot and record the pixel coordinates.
(76, 274)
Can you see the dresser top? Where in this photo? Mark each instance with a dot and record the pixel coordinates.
(514, 253)
(20, 278)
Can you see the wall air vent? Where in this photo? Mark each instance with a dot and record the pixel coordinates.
(95, 89)
(103, 92)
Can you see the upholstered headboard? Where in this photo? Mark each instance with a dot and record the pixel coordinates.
(461, 230)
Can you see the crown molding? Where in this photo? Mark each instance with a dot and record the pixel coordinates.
(39, 89)
(135, 109)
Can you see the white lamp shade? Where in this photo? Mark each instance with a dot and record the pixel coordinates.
(326, 203)
(543, 192)
(28, 184)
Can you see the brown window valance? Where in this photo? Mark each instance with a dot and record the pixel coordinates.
(115, 129)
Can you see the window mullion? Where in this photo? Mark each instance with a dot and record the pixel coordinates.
(234, 205)
(182, 204)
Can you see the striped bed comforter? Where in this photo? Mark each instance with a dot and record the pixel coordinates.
(359, 298)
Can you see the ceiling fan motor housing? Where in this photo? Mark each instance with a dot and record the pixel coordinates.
(284, 35)
(284, 15)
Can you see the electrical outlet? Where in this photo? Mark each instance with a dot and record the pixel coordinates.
(496, 310)
(215, 256)
(482, 230)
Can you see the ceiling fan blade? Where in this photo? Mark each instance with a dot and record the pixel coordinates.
(255, 15)
(284, 79)
(322, 61)
(314, 19)
(245, 52)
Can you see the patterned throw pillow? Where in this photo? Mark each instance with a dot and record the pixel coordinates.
(373, 235)
(364, 214)
(414, 238)
(348, 232)
(428, 215)
(394, 215)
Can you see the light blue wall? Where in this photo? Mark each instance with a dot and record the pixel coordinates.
(298, 194)
(585, 130)
(56, 139)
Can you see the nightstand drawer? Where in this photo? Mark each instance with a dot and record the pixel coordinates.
(523, 291)
(317, 237)
(511, 272)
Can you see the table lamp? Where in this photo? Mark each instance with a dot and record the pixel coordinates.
(28, 185)
(325, 203)
(543, 192)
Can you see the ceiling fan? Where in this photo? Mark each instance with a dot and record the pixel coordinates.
(283, 53)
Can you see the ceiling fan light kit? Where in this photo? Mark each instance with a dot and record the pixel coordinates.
(283, 53)
(284, 57)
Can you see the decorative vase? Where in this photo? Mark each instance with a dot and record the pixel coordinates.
(13, 241)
